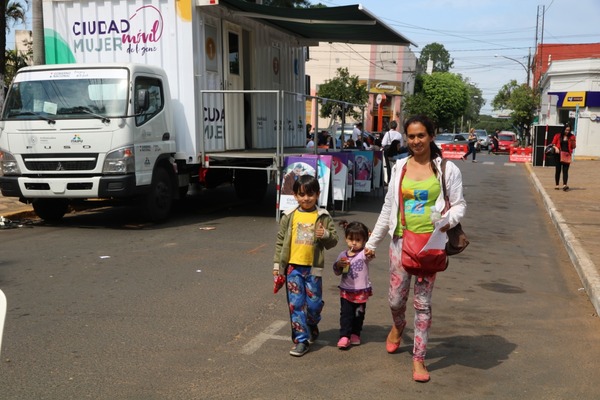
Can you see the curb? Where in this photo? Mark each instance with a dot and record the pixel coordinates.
(586, 269)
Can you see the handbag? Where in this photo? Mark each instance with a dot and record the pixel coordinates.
(414, 260)
(549, 149)
(457, 238)
(565, 157)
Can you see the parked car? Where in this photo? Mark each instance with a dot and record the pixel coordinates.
(506, 140)
(450, 138)
(483, 139)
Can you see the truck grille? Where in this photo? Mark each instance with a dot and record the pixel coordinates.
(60, 162)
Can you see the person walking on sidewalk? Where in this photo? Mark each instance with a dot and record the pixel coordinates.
(472, 142)
(564, 144)
(421, 189)
(304, 234)
(355, 287)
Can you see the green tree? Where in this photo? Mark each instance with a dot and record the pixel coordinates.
(15, 61)
(444, 98)
(14, 12)
(521, 100)
(347, 89)
(442, 62)
(475, 101)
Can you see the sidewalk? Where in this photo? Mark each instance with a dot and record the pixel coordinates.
(576, 215)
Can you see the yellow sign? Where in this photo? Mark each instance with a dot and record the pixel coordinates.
(574, 99)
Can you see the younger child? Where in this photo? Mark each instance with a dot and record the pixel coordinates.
(355, 287)
(304, 234)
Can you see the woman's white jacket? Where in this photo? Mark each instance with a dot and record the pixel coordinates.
(388, 218)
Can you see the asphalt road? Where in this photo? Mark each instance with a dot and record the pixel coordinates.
(105, 306)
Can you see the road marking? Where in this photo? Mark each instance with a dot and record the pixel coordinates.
(489, 162)
(506, 164)
(262, 337)
(269, 333)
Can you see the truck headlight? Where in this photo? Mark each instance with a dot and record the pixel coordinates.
(8, 164)
(120, 161)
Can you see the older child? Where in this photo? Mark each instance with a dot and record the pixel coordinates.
(355, 287)
(304, 233)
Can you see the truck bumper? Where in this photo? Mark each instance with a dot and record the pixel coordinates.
(121, 186)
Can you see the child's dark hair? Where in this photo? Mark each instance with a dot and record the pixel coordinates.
(308, 184)
(355, 229)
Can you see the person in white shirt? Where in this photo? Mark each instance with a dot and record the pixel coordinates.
(392, 135)
(357, 132)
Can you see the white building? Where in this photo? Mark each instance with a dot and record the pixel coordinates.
(572, 89)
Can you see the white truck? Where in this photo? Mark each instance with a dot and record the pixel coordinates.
(140, 98)
(118, 112)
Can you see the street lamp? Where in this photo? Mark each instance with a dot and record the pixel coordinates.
(517, 61)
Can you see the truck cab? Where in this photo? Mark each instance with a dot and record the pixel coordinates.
(104, 131)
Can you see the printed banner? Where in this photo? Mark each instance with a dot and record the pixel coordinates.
(293, 168)
(323, 175)
(363, 167)
(377, 169)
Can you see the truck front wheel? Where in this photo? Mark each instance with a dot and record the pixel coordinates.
(51, 209)
(157, 203)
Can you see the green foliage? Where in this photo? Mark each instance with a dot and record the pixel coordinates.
(346, 88)
(14, 62)
(439, 55)
(444, 98)
(521, 100)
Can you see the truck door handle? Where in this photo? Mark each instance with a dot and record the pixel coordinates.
(166, 136)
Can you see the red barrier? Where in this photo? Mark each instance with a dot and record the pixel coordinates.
(520, 154)
(454, 151)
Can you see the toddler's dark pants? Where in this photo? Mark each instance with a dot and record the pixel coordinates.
(352, 316)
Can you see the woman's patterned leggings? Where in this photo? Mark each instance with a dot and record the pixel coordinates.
(398, 296)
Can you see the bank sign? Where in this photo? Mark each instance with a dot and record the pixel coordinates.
(118, 31)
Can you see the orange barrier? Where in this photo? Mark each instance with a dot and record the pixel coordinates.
(521, 154)
(454, 151)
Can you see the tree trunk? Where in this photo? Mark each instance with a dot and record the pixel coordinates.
(38, 33)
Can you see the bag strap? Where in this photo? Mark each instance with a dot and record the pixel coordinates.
(401, 199)
(446, 199)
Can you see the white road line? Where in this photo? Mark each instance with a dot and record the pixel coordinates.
(489, 162)
(510, 164)
(262, 337)
(269, 333)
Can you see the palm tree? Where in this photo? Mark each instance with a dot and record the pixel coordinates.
(14, 12)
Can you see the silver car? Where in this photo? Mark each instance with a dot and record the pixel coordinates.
(483, 139)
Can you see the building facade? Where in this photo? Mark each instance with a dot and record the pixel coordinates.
(570, 93)
(387, 71)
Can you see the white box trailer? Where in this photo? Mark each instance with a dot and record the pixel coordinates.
(139, 98)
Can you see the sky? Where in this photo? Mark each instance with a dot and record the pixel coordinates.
(474, 31)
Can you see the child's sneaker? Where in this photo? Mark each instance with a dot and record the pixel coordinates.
(343, 343)
(354, 340)
(314, 333)
(300, 349)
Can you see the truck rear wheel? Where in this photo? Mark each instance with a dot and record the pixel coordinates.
(157, 203)
(250, 184)
(51, 209)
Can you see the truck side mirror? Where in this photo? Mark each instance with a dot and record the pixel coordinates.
(143, 101)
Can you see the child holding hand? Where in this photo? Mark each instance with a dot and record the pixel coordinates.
(304, 234)
(355, 287)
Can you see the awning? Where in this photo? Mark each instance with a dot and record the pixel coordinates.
(346, 24)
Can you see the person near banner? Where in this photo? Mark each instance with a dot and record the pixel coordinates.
(355, 287)
(357, 132)
(472, 142)
(564, 143)
(421, 189)
(305, 232)
(392, 142)
(493, 148)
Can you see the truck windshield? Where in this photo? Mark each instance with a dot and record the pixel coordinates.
(55, 99)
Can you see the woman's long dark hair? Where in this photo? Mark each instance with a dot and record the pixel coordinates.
(429, 127)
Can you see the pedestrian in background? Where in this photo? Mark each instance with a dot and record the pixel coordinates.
(355, 288)
(304, 234)
(472, 142)
(564, 144)
(421, 189)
